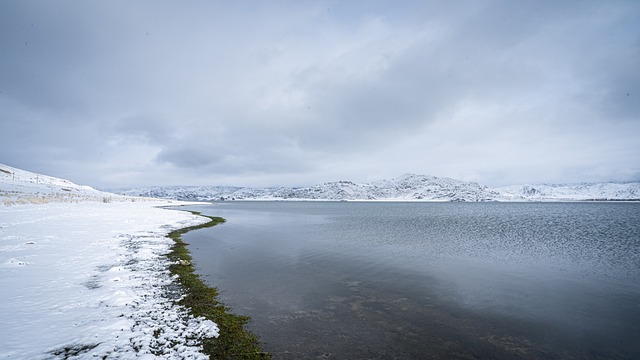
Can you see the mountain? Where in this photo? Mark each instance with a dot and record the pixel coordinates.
(20, 186)
(409, 187)
(572, 192)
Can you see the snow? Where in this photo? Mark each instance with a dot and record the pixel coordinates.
(408, 187)
(573, 192)
(82, 277)
(82, 272)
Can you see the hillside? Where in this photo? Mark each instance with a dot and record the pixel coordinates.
(21, 187)
(409, 187)
(573, 192)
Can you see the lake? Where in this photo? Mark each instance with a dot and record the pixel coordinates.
(378, 280)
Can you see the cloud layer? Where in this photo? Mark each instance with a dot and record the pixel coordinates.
(296, 93)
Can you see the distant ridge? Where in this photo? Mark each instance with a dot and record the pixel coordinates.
(408, 187)
(20, 186)
(608, 191)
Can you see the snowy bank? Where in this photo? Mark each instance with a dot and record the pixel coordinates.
(90, 279)
(83, 274)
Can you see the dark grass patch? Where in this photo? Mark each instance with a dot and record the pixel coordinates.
(235, 341)
(72, 351)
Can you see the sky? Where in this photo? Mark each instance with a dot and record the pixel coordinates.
(294, 93)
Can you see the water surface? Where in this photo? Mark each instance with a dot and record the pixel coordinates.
(429, 280)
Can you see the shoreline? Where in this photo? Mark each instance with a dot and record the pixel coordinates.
(98, 273)
(234, 340)
(428, 201)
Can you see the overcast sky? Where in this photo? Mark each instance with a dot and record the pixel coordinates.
(124, 93)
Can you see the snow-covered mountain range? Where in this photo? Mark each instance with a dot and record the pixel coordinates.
(19, 186)
(629, 191)
(409, 187)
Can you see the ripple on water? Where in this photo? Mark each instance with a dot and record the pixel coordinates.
(398, 280)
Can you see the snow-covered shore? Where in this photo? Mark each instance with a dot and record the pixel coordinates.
(83, 274)
(89, 278)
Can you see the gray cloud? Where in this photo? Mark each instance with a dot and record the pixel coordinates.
(121, 93)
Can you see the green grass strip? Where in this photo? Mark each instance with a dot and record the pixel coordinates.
(235, 341)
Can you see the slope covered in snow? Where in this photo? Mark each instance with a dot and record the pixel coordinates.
(86, 278)
(408, 187)
(572, 192)
(22, 187)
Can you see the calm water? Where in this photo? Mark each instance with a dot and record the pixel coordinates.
(429, 280)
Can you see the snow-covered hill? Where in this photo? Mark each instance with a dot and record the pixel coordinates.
(409, 187)
(572, 192)
(20, 187)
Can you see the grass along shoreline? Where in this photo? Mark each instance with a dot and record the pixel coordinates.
(234, 342)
